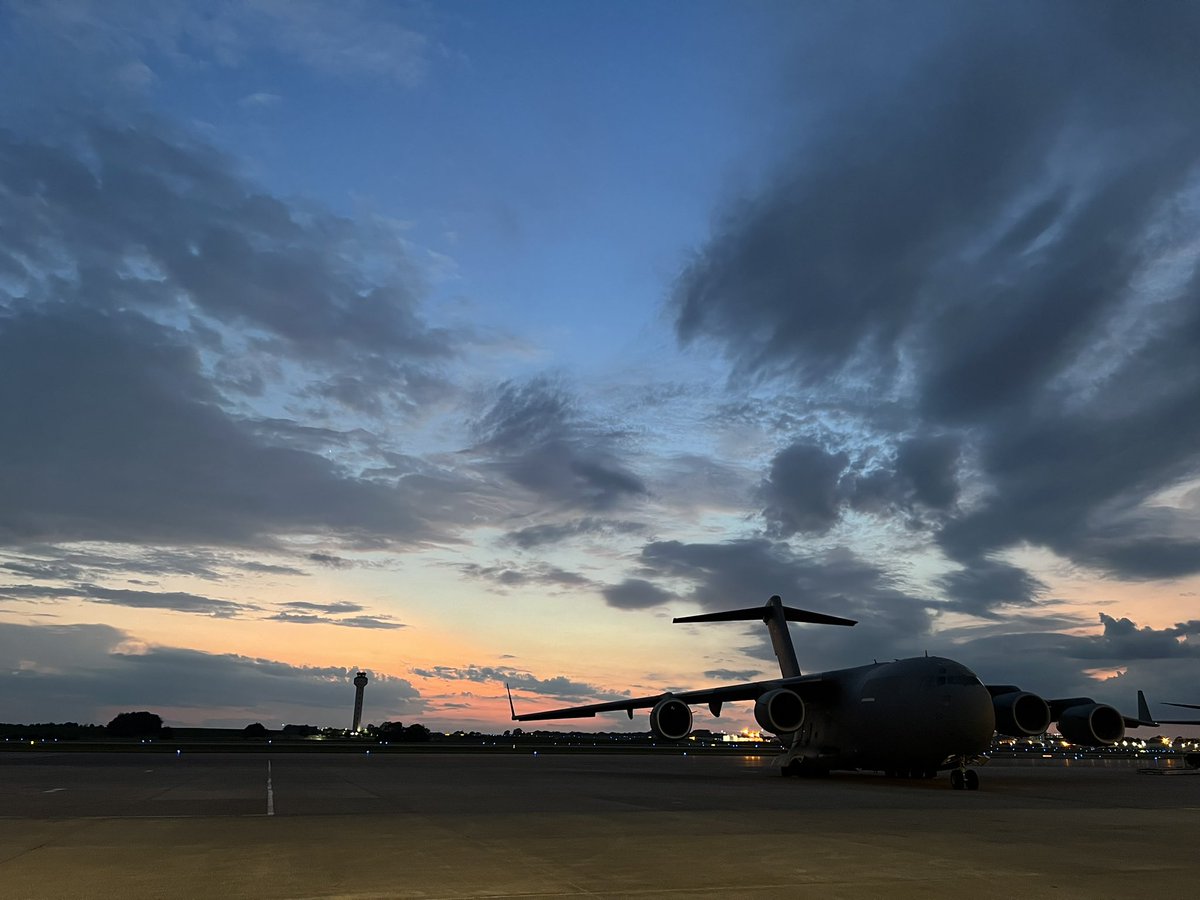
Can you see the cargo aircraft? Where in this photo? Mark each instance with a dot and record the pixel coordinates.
(908, 717)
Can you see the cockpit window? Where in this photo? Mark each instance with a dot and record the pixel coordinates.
(958, 679)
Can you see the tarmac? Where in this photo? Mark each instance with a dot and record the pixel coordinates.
(659, 825)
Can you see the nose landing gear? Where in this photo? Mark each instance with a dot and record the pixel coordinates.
(963, 778)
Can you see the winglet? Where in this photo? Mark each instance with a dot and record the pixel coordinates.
(512, 709)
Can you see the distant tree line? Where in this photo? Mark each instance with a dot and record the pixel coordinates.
(144, 724)
(398, 731)
(51, 731)
(127, 724)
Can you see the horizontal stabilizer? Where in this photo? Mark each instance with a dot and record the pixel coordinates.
(1147, 719)
(762, 613)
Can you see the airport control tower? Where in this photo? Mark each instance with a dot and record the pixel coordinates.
(360, 682)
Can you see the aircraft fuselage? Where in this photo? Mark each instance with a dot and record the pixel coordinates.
(918, 713)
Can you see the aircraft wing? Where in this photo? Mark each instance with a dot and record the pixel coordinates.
(804, 685)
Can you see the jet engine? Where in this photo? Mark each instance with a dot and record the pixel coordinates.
(671, 719)
(1091, 724)
(1020, 713)
(779, 711)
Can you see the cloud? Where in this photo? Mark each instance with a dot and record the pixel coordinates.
(304, 612)
(1066, 665)
(559, 687)
(534, 536)
(983, 237)
(172, 600)
(985, 584)
(115, 436)
(517, 574)
(90, 562)
(351, 40)
(339, 606)
(801, 490)
(733, 674)
(260, 99)
(329, 560)
(635, 593)
(88, 673)
(533, 435)
(151, 219)
(1123, 640)
(175, 601)
(744, 573)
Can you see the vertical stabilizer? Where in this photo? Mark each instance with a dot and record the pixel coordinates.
(781, 639)
(776, 616)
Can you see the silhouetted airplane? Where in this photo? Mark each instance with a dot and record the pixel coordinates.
(909, 717)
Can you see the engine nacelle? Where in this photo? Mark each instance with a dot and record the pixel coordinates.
(1091, 724)
(1021, 714)
(671, 719)
(779, 711)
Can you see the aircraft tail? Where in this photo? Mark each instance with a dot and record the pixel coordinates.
(1144, 713)
(776, 616)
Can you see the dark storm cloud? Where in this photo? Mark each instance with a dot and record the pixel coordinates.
(986, 584)
(994, 226)
(113, 434)
(929, 464)
(635, 593)
(559, 687)
(1123, 640)
(533, 434)
(801, 490)
(85, 673)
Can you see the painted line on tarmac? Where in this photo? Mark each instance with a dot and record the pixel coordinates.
(53, 790)
(270, 792)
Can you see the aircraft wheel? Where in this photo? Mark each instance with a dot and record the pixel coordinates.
(957, 780)
(971, 780)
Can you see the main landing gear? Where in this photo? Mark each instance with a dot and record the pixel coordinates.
(963, 778)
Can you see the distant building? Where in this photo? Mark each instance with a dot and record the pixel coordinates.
(360, 682)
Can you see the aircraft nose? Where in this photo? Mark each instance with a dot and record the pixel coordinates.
(972, 717)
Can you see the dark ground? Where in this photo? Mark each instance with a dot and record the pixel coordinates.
(439, 825)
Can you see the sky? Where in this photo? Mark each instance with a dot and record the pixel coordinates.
(468, 343)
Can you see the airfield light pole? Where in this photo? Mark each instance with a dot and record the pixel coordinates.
(360, 682)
